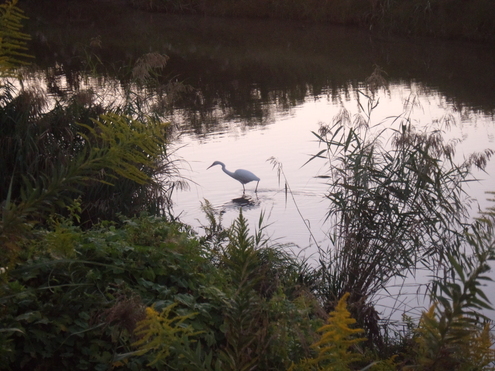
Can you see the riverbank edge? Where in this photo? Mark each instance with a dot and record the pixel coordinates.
(458, 20)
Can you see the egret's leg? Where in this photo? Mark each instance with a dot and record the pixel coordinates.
(243, 189)
(257, 184)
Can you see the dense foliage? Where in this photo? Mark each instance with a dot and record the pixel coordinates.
(149, 294)
(76, 298)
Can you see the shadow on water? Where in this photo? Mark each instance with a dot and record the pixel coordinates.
(244, 202)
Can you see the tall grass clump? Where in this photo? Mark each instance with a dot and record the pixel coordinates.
(397, 204)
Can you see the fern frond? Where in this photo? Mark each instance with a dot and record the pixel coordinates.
(336, 345)
(337, 340)
(163, 333)
(12, 40)
(127, 146)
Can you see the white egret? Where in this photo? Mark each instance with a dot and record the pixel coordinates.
(243, 176)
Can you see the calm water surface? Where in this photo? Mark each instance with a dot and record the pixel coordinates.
(258, 89)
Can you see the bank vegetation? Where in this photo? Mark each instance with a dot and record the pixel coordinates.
(453, 19)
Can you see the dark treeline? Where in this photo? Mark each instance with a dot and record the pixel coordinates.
(472, 20)
(455, 19)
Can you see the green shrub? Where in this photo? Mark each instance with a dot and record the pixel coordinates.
(79, 311)
(75, 297)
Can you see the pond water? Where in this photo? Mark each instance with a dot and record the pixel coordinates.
(268, 85)
(260, 88)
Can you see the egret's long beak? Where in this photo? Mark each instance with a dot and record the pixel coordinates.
(209, 167)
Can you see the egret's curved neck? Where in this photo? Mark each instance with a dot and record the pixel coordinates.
(225, 170)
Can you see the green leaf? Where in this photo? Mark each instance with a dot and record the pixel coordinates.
(29, 316)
